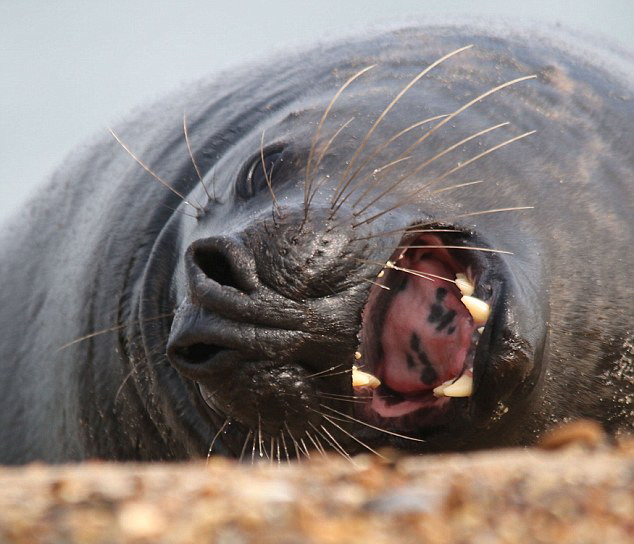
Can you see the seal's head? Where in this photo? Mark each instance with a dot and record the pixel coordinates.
(332, 293)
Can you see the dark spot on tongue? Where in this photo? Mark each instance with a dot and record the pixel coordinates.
(414, 342)
(410, 361)
(439, 312)
(429, 375)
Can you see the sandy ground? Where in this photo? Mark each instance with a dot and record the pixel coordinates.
(578, 490)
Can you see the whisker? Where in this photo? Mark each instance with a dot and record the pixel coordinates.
(339, 399)
(389, 264)
(336, 445)
(154, 175)
(486, 249)
(318, 433)
(375, 153)
(244, 447)
(111, 329)
(211, 446)
(483, 154)
(372, 426)
(496, 210)
(471, 214)
(123, 382)
(178, 211)
(424, 275)
(306, 452)
(253, 449)
(323, 371)
(209, 394)
(422, 166)
(377, 284)
(451, 171)
(459, 186)
(278, 456)
(267, 176)
(434, 129)
(332, 422)
(261, 447)
(320, 126)
(191, 156)
(346, 371)
(464, 107)
(403, 231)
(288, 458)
(394, 101)
(311, 194)
(317, 445)
(338, 396)
(295, 443)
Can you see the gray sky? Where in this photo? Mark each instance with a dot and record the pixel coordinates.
(70, 68)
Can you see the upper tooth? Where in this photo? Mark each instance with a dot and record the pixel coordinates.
(478, 309)
(440, 390)
(360, 379)
(357, 355)
(463, 283)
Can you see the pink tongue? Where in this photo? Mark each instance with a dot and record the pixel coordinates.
(427, 330)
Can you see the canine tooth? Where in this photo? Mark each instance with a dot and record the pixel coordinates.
(462, 387)
(360, 379)
(440, 390)
(357, 355)
(480, 330)
(462, 282)
(381, 274)
(478, 309)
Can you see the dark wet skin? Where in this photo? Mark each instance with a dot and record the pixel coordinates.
(138, 323)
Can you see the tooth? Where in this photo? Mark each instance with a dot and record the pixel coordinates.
(357, 355)
(478, 309)
(361, 379)
(439, 391)
(480, 330)
(462, 387)
(463, 283)
(381, 274)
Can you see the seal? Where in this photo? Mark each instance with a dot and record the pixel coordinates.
(418, 239)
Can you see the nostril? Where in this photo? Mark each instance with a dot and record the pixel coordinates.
(197, 353)
(215, 266)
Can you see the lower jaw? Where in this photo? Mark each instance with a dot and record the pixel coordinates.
(417, 418)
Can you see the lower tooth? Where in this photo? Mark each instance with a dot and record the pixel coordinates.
(462, 387)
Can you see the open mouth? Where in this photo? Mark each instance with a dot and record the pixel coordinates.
(423, 333)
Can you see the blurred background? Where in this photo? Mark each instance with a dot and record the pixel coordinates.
(70, 68)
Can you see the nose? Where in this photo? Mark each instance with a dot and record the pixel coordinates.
(220, 262)
(227, 315)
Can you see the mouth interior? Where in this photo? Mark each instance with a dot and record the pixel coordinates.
(418, 334)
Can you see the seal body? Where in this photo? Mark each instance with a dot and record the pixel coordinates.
(208, 283)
